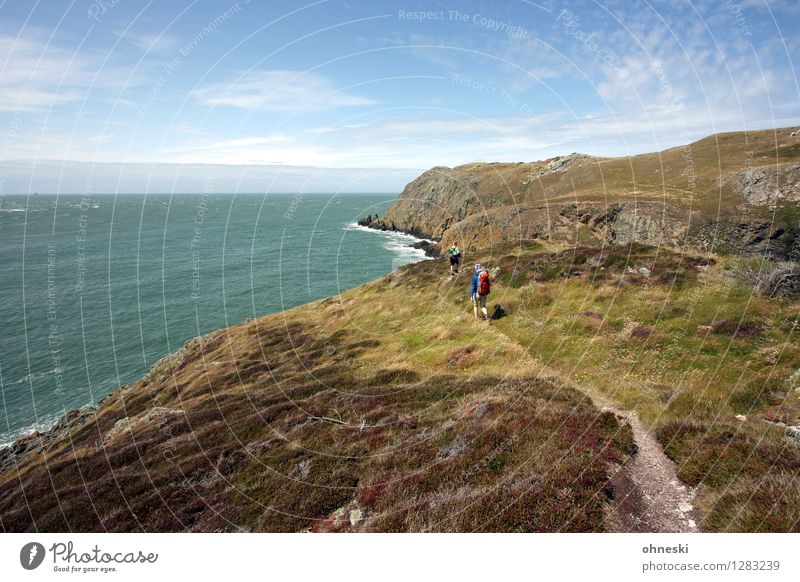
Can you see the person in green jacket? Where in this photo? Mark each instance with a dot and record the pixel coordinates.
(455, 257)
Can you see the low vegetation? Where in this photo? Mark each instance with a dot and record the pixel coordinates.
(378, 410)
(388, 408)
(708, 361)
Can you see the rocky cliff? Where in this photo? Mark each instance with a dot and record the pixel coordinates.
(732, 192)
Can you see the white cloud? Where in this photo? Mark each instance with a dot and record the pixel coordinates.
(427, 141)
(150, 43)
(280, 91)
(30, 74)
(378, 156)
(100, 138)
(420, 142)
(37, 74)
(702, 84)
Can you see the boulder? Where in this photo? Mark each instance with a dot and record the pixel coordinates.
(561, 163)
(356, 515)
(766, 185)
(375, 222)
(431, 248)
(794, 380)
(782, 281)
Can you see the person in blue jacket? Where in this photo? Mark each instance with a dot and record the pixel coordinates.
(481, 286)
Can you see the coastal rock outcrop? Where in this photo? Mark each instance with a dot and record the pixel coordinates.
(431, 248)
(376, 222)
(768, 184)
(675, 198)
(43, 441)
(432, 202)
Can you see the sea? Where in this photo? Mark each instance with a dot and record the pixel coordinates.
(94, 289)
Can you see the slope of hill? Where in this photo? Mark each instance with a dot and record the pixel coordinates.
(728, 192)
(389, 408)
(621, 387)
(380, 410)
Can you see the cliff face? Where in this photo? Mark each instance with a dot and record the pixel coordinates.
(734, 192)
(434, 201)
(766, 185)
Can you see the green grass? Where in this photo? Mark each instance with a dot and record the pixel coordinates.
(392, 400)
(692, 351)
(385, 399)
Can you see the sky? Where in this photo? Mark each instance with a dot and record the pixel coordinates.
(117, 96)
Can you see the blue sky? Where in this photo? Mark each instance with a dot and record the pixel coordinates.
(120, 96)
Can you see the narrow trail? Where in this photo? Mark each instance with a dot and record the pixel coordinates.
(648, 496)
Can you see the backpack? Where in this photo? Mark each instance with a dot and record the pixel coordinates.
(484, 285)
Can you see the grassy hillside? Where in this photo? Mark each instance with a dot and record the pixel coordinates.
(690, 347)
(383, 409)
(730, 192)
(389, 408)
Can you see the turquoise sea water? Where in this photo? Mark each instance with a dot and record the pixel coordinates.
(94, 290)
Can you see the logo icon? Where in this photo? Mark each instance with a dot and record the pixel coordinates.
(31, 555)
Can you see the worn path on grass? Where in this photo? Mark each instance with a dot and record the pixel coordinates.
(648, 496)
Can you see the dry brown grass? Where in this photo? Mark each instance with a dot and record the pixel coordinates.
(296, 420)
(390, 409)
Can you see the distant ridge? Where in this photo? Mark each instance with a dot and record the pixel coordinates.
(729, 192)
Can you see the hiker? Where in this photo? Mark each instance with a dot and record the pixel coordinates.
(455, 257)
(481, 287)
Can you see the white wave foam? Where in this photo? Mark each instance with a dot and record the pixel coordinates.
(396, 243)
(42, 425)
(39, 375)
